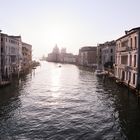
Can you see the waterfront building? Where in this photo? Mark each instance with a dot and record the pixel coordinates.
(127, 62)
(11, 55)
(63, 51)
(18, 53)
(61, 56)
(55, 55)
(68, 58)
(106, 54)
(27, 56)
(0, 59)
(88, 56)
(99, 56)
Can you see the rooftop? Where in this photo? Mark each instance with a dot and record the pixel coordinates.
(129, 32)
(88, 48)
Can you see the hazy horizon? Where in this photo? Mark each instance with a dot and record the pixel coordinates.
(68, 23)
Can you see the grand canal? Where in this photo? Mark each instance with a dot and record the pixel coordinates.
(67, 103)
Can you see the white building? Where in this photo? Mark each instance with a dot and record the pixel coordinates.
(106, 54)
(63, 50)
(69, 58)
(127, 62)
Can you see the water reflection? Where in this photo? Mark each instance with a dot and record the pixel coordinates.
(126, 110)
(10, 107)
(67, 103)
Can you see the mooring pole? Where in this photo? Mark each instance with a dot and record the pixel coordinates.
(128, 86)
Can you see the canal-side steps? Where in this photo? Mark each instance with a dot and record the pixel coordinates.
(4, 83)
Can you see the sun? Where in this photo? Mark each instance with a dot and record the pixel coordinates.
(57, 34)
(60, 33)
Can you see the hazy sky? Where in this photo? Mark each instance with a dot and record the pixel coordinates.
(68, 23)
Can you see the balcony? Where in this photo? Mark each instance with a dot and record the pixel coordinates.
(128, 68)
(125, 48)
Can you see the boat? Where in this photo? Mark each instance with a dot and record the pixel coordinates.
(100, 72)
(4, 83)
(119, 82)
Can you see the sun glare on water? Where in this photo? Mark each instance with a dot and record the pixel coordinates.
(56, 83)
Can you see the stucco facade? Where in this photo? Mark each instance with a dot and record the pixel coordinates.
(61, 56)
(68, 58)
(88, 56)
(127, 54)
(0, 59)
(26, 56)
(10, 55)
(106, 54)
(55, 55)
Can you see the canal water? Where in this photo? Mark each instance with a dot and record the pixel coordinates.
(67, 103)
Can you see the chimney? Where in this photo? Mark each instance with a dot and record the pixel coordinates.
(126, 32)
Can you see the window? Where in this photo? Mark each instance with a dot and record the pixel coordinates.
(131, 43)
(134, 60)
(119, 45)
(111, 58)
(1, 49)
(135, 42)
(134, 78)
(119, 73)
(130, 63)
(124, 59)
(127, 75)
(130, 76)
(124, 43)
(13, 59)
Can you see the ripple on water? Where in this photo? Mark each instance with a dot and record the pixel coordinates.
(67, 103)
